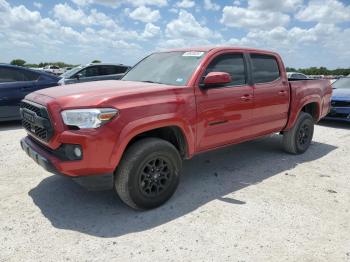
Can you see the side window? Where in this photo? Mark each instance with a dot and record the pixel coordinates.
(10, 75)
(300, 76)
(232, 64)
(108, 70)
(265, 68)
(89, 71)
(31, 76)
(122, 69)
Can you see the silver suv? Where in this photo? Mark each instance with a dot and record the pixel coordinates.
(93, 72)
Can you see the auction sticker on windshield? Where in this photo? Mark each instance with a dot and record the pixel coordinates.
(193, 53)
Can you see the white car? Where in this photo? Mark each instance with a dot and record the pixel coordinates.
(296, 75)
(53, 69)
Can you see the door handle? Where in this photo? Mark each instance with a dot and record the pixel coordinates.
(246, 97)
(282, 92)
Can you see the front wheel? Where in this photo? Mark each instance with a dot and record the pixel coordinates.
(148, 174)
(298, 139)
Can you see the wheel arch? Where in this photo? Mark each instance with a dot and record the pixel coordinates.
(175, 131)
(309, 104)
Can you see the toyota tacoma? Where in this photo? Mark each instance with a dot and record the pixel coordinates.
(132, 134)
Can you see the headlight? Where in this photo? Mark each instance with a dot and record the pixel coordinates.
(88, 118)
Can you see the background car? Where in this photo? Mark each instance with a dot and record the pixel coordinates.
(15, 83)
(340, 105)
(93, 72)
(53, 69)
(296, 75)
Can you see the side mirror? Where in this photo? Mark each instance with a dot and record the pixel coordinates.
(78, 76)
(217, 78)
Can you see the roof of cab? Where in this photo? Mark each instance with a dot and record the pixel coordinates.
(217, 48)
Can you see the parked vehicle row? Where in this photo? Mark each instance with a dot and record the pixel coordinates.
(54, 69)
(93, 72)
(340, 110)
(16, 82)
(296, 75)
(133, 134)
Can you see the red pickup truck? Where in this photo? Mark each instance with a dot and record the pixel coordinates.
(133, 134)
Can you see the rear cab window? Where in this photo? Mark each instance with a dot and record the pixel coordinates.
(265, 68)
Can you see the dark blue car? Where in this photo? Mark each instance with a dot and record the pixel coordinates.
(340, 107)
(15, 83)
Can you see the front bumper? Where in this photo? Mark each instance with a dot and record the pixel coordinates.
(51, 163)
(38, 155)
(339, 114)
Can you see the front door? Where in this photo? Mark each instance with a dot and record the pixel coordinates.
(224, 112)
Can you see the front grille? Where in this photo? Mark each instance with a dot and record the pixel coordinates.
(340, 103)
(31, 107)
(36, 120)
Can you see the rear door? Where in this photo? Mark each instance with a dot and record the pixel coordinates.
(224, 112)
(108, 72)
(271, 94)
(112, 72)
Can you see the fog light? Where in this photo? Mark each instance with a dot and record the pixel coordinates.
(77, 152)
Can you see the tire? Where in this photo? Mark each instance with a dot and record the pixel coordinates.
(148, 173)
(298, 139)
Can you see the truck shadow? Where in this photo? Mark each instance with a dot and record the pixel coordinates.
(207, 177)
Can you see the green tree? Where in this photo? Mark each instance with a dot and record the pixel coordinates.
(96, 61)
(18, 62)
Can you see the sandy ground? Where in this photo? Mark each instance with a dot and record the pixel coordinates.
(250, 202)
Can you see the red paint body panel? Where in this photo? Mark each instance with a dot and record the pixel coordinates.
(208, 118)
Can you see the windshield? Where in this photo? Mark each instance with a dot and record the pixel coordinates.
(170, 68)
(342, 83)
(70, 73)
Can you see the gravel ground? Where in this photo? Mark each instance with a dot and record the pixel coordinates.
(249, 202)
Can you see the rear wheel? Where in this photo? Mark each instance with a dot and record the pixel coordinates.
(148, 174)
(298, 139)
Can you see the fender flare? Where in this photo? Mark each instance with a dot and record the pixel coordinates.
(293, 116)
(142, 125)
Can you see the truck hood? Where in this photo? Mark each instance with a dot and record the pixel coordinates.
(341, 94)
(100, 93)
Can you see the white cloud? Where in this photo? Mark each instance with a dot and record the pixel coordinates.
(70, 16)
(209, 5)
(148, 2)
(145, 14)
(65, 13)
(185, 4)
(38, 5)
(273, 5)
(325, 11)
(82, 2)
(173, 10)
(296, 44)
(234, 16)
(186, 26)
(22, 27)
(117, 3)
(151, 31)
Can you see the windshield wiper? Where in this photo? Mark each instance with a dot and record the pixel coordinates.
(152, 82)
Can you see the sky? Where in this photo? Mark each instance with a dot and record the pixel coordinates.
(305, 32)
